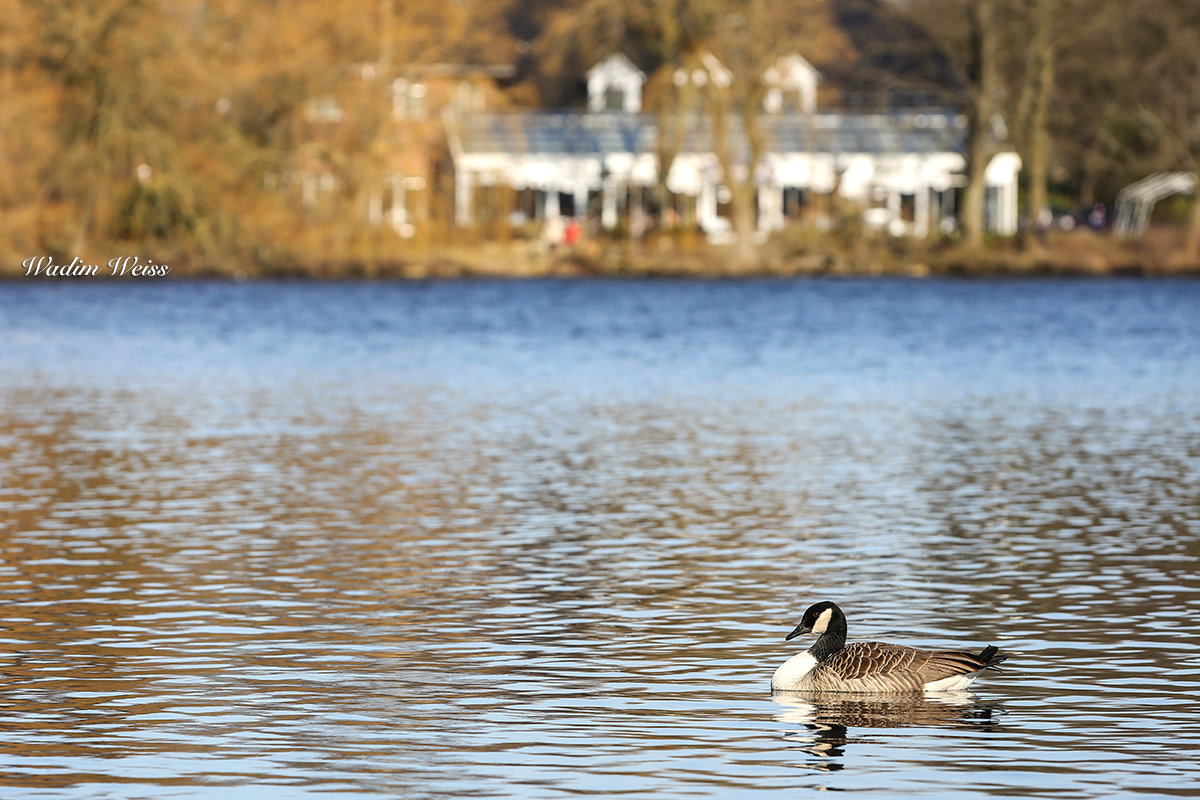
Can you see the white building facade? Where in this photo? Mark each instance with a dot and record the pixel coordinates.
(901, 170)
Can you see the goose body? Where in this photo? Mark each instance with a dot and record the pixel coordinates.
(831, 665)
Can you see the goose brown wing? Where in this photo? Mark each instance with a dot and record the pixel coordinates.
(861, 659)
(877, 659)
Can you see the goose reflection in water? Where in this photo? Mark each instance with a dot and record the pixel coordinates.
(826, 717)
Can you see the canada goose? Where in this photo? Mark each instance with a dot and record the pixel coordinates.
(831, 665)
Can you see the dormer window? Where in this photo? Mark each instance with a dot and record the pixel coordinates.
(615, 84)
(791, 86)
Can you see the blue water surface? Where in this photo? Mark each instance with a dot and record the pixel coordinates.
(544, 538)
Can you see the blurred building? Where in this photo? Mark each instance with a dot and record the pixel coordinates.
(440, 146)
(422, 96)
(900, 170)
(393, 121)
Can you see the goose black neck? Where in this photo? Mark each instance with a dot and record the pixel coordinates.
(833, 639)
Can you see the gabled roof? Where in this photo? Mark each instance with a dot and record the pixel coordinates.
(701, 67)
(616, 63)
(789, 70)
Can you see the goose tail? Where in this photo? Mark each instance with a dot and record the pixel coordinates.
(990, 657)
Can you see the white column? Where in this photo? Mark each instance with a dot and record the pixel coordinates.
(893, 208)
(608, 210)
(462, 198)
(1011, 217)
(770, 207)
(581, 193)
(399, 210)
(706, 205)
(921, 211)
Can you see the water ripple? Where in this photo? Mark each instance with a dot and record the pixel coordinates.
(541, 540)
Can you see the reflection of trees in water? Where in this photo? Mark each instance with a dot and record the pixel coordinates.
(825, 719)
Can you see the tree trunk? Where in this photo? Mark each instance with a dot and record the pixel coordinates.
(745, 194)
(673, 121)
(741, 187)
(745, 251)
(982, 74)
(1043, 88)
(975, 193)
(673, 113)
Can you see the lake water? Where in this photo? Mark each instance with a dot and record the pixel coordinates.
(544, 539)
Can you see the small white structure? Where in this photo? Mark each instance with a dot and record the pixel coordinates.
(791, 86)
(615, 84)
(1000, 175)
(1137, 200)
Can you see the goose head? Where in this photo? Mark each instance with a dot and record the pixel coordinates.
(817, 619)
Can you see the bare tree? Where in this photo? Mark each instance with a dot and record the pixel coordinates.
(1167, 35)
(1037, 91)
(121, 94)
(969, 34)
(749, 39)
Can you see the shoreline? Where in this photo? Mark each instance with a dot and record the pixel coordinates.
(1061, 255)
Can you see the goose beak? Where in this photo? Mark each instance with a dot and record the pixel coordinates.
(799, 631)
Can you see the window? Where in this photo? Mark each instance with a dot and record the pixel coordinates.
(469, 97)
(614, 99)
(325, 109)
(408, 99)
